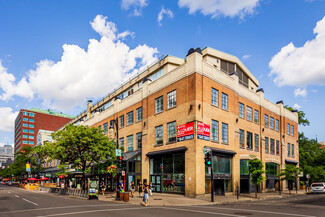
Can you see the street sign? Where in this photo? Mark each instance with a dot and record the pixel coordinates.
(118, 152)
(301, 174)
(307, 176)
(123, 173)
(206, 150)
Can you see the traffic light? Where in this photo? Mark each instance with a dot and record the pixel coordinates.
(207, 159)
(120, 161)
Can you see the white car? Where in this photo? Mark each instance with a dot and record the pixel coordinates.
(318, 188)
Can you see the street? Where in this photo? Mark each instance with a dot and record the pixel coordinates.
(19, 202)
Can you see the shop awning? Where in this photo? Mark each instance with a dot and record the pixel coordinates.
(167, 151)
(222, 151)
(291, 162)
(129, 155)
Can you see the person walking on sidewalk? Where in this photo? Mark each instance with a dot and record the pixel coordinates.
(150, 188)
(103, 188)
(140, 188)
(146, 194)
(132, 188)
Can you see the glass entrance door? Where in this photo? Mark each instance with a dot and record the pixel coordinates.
(156, 183)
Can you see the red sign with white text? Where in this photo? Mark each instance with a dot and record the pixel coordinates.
(185, 132)
(203, 131)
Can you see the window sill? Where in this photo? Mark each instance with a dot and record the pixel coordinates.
(159, 112)
(257, 150)
(225, 109)
(129, 124)
(138, 121)
(224, 143)
(121, 127)
(213, 141)
(249, 120)
(171, 108)
(169, 143)
(215, 105)
(249, 149)
(157, 145)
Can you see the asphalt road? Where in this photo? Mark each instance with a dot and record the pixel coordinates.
(19, 202)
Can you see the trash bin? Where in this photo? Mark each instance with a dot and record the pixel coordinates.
(121, 196)
(126, 197)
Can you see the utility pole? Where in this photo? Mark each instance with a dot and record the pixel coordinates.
(208, 161)
(113, 123)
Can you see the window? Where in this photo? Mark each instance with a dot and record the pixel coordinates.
(224, 101)
(25, 131)
(31, 125)
(171, 99)
(129, 143)
(292, 150)
(249, 113)
(25, 119)
(121, 143)
(31, 120)
(139, 140)
(159, 135)
(25, 125)
(241, 110)
(277, 147)
(244, 167)
(129, 118)
(159, 104)
(139, 114)
(24, 142)
(215, 130)
(31, 114)
(288, 149)
(292, 130)
(31, 142)
(214, 97)
(171, 132)
(121, 119)
(266, 145)
(272, 123)
(288, 129)
(272, 146)
(31, 131)
(241, 138)
(105, 127)
(266, 120)
(277, 125)
(31, 137)
(249, 140)
(157, 75)
(25, 136)
(225, 133)
(25, 113)
(257, 142)
(256, 116)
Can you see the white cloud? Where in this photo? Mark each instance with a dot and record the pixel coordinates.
(300, 92)
(137, 6)
(81, 74)
(301, 66)
(169, 13)
(314, 90)
(245, 57)
(215, 8)
(7, 119)
(296, 106)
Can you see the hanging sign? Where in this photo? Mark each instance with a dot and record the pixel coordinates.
(203, 131)
(185, 132)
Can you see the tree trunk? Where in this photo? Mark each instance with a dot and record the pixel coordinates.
(296, 185)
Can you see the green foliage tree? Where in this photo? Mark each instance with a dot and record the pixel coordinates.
(255, 169)
(290, 173)
(302, 120)
(81, 147)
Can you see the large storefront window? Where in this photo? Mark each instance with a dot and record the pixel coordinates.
(167, 173)
(244, 167)
(272, 180)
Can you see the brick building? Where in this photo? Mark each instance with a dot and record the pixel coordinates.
(29, 122)
(171, 111)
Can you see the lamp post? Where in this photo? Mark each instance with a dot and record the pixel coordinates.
(113, 123)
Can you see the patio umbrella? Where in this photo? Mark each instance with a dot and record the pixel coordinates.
(32, 179)
(44, 178)
(62, 176)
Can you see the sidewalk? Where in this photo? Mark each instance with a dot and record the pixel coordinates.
(163, 199)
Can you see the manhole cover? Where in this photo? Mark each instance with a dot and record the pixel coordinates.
(243, 213)
(157, 199)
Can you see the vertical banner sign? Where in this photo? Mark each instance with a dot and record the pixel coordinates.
(27, 167)
(185, 132)
(203, 131)
(93, 188)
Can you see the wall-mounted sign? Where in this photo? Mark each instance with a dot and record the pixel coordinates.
(185, 132)
(203, 131)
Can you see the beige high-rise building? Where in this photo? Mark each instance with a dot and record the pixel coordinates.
(176, 107)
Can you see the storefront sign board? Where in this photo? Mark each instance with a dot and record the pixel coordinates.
(185, 132)
(203, 131)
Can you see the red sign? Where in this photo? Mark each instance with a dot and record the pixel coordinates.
(185, 132)
(203, 131)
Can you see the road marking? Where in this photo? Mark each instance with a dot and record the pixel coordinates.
(249, 210)
(30, 202)
(93, 211)
(16, 196)
(61, 207)
(204, 212)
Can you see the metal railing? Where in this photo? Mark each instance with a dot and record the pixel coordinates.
(68, 191)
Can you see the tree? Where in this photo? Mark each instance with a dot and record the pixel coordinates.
(255, 169)
(302, 120)
(81, 147)
(290, 173)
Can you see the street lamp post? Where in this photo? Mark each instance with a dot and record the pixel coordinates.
(113, 123)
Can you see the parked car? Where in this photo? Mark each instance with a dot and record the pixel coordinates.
(318, 188)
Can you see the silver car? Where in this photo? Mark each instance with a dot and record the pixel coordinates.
(318, 188)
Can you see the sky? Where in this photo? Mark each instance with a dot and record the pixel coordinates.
(58, 54)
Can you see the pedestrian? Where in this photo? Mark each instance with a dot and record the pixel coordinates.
(121, 186)
(150, 188)
(140, 188)
(132, 188)
(146, 194)
(103, 188)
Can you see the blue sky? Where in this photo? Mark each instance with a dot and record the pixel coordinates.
(58, 54)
